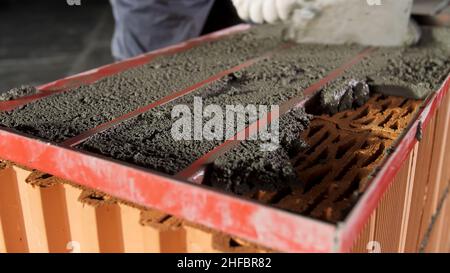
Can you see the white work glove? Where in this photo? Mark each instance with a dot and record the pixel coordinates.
(267, 11)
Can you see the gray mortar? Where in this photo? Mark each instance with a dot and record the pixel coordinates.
(61, 116)
(412, 72)
(343, 95)
(247, 167)
(18, 92)
(420, 70)
(147, 140)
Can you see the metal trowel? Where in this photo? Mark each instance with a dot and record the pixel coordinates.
(365, 22)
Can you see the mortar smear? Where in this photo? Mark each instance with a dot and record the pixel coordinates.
(247, 167)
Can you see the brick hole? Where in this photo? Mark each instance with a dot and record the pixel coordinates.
(394, 126)
(319, 199)
(332, 188)
(164, 219)
(409, 111)
(299, 161)
(403, 103)
(280, 195)
(365, 145)
(343, 116)
(262, 196)
(385, 106)
(321, 158)
(344, 148)
(337, 139)
(347, 168)
(386, 120)
(321, 140)
(363, 113)
(353, 187)
(374, 156)
(314, 130)
(96, 197)
(381, 97)
(233, 243)
(45, 176)
(367, 122)
(316, 177)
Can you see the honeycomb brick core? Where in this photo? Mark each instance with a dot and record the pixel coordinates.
(344, 150)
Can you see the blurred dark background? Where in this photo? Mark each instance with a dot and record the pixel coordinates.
(41, 41)
(45, 40)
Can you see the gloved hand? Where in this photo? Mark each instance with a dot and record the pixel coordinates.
(267, 11)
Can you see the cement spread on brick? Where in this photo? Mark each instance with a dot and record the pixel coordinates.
(411, 72)
(351, 94)
(147, 140)
(61, 116)
(418, 70)
(248, 167)
(18, 92)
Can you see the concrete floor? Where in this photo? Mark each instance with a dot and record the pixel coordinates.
(42, 41)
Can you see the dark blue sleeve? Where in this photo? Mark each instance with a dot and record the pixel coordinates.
(145, 25)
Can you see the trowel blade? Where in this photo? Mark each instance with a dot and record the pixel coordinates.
(401, 91)
(366, 22)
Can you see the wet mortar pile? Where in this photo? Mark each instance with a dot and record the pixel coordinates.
(280, 177)
(248, 167)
